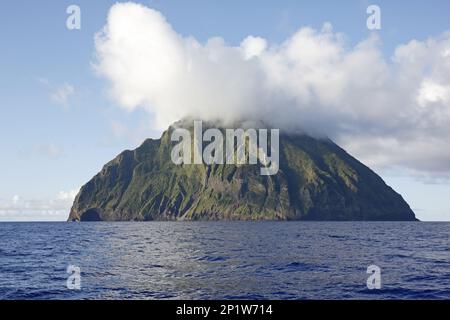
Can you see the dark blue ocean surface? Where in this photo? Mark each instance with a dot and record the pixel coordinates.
(225, 260)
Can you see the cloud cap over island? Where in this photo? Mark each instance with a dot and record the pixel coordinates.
(383, 111)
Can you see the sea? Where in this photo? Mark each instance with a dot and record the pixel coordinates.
(225, 260)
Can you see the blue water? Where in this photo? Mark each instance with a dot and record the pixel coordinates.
(225, 260)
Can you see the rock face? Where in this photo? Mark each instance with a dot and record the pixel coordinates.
(317, 180)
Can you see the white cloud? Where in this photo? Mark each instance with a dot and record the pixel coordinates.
(67, 195)
(253, 46)
(388, 113)
(19, 209)
(431, 92)
(15, 199)
(59, 94)
(62, 94)
(49, 150)
(45, 150)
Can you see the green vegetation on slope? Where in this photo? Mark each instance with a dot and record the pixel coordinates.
(317, 180)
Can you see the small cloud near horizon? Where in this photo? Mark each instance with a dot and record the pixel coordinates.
(54, 209)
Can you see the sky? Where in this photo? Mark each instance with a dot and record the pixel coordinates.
(67, 108)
